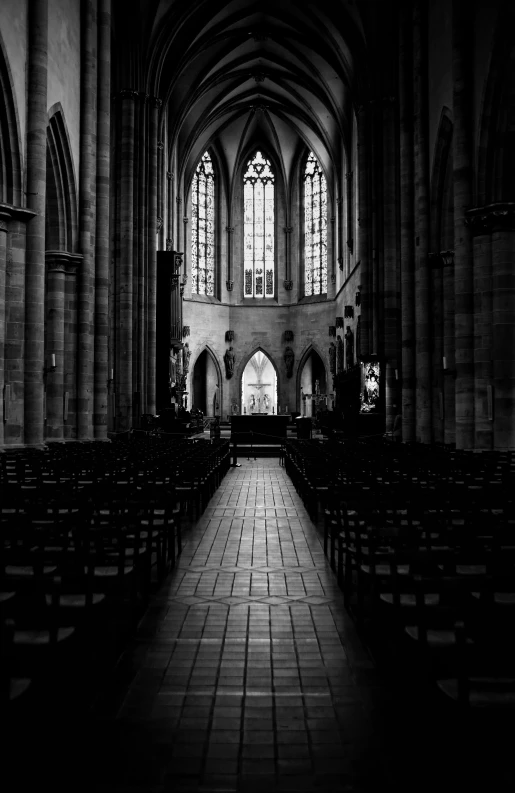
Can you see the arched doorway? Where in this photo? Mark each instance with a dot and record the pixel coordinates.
(312, 383)
(259, 385)
(205, 384)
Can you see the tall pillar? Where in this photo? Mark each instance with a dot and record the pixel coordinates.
(4, 228)
(364, 227)
(102, 222)
(70, 347)
(480, 226)
(449, 371)
(462, 74)
(421, 154)
(390, 226)
(124, 279)
(141, 306)
(37, 120)
(54, 375)
(155, 104)
(503, 342)
(87, 221)
(406, 204)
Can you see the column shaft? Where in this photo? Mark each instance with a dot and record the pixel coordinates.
(142, 254)
(503, 282)
(406, 227)
(55, 343)
(36, 197)
(483, 412)
(125, 263)
(421, 153)
(3, 267)
(364, 228)
(87, 221)
(390, 225)
(155, 104)
(462, 71)
(102, 221)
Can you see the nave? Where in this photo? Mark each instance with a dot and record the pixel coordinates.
(247, 674)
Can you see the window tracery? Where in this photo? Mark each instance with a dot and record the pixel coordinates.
(258, 228)
(315, 228)
(203, 228)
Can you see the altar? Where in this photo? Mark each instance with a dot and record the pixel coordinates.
(262, 432)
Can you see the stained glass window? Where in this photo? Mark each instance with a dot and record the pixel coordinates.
(315, 228)
(203, 228)
(258, 228)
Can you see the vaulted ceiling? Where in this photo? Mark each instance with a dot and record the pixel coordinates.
(284, 73)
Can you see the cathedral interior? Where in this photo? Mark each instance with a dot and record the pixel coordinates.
(291, 215)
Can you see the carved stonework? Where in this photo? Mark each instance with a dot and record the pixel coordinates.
(288, 285)
(229, 285)
(169, 175)
(288, 229)
(333, 278)
(332, 330)
(350, 245)
(128, 93)
(160, 145)
(357, 299)
(447, 258)
(229, 359)
(339, 322)
(229, 229)
(340, 262)
(185, 220)
(288, 335)
(229, 335)
(169, 244)
(289, 358)
(348, 311)
(484, 220)
(159, 224)
(185, 331)
(178, 200)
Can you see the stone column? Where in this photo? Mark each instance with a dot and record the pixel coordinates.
(54, 375)
(141, 307)
(436, 302)
(503, 283)
(70, 347)
(37, 120)
(4, 228)
(406, 204)
(421, 153)
(102, 234)
(349, 201)
(87, 221)
(390, 225)
(230, 280)
(364, 227)
(449, 372)
(124, 279)
(155, 104)
(462, 73)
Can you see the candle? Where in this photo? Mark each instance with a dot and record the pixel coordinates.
(112, 374)
(396, 374)
(444, 362)
(53, 359)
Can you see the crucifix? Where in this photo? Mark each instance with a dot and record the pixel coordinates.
(259, 386)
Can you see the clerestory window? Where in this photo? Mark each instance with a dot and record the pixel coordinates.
(203, 228)
(258, 229)
(315, 228)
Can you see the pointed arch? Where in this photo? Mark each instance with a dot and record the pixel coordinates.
(194, 393)
(10, 156)
(311, 348)
(240, 368)
(61, 214)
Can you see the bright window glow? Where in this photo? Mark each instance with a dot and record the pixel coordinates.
(315, 228)
(258, 228)
(203, 228)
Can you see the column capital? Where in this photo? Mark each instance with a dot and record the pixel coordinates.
(288, 285)
(493, 217)
(178, 199)
(185, 220)
(229, 229)
(169, 175)
(127, 93)
(62, 262)
(144, 97)
(156, 102)
(10, 212)
(288, 229)
(160, 145)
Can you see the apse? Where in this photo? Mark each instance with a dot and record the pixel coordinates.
(259, 386)
(313, 385)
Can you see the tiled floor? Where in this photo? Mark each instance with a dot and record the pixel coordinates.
(246, 673)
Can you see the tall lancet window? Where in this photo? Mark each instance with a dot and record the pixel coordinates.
(203, 228)
(258, 229)
(315, 228)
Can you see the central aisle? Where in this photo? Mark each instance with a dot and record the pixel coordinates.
(246, 672)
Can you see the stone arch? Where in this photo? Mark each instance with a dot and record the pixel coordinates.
(308, 351)
(240, 368)
(10, 156)
(61, 210)
(206, 406)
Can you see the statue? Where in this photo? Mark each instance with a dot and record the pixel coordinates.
(332, 358)
(252, 402)
(339, 355)
(229, 359)
(289, 357)
(186, 355)
(266, 401)
(349, 347)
